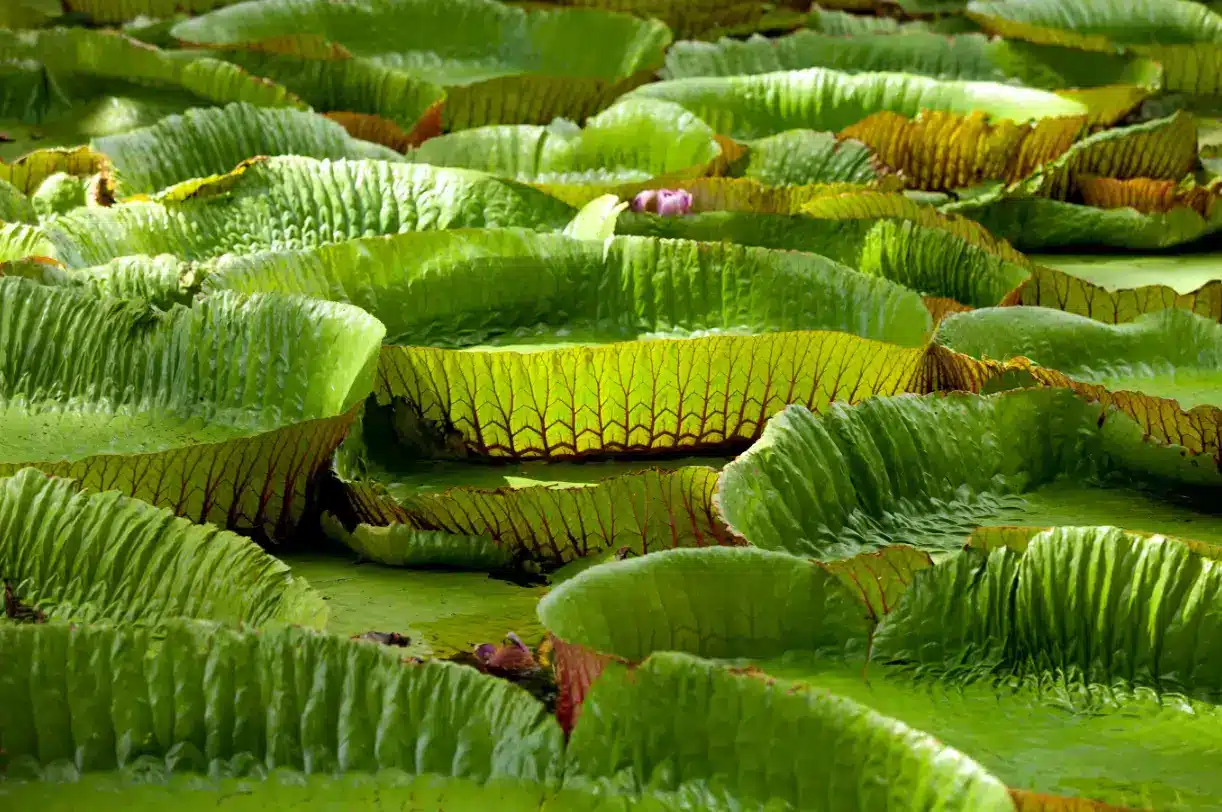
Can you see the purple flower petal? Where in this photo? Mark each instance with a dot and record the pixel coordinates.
(644, 200)
(674, 203)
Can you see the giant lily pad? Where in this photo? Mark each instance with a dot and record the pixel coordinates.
(1119, 287)
(633, 305)
(86, 556)
(797, 157)
(375, 102)
(1074, 662)
(1184, 36)
(535, 75)
(879, 234)
(290, 202)
(63, 86)
(633, 142)
(213, 141)
(1171, 354)
(1164, 369)
(822, 99)
(356, 707)
(943, 134)
(109, 11)
(633, 346)
(1040, 224)
(222, 412)
(1183, 273)
(1108, 84)
(927, 471)
(190, 695)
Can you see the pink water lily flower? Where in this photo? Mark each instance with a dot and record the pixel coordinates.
(665, 202)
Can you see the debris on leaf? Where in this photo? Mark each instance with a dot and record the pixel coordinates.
(385, 638)
(513, 661)
(514, 657)
(14, 609)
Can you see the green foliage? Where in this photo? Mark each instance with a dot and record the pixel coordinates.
(753, 106)
(698, 388)
(90, 557)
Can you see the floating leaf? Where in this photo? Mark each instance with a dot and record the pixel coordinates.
(222, 412)
(536, 75)
(102, 556)
(926, 471)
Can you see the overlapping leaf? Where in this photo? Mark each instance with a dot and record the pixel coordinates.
(1041, 224)
(213, 141)
(1183, 36)
(1163, 369)
(581, 349)
(63, 86)
(926, 471)
(494, 517)
(544, 386)
(291, 202)
(222, 412)
(535, 76)
(704, 18)
(823, 99)
(162, 281)
(173, 700)
(879, 234)
(89, 557)
(798, 157)
(723, 745)
(110, 11)
(1119, 287)
(19, 240)
(1163, 148)
(630, 143)
(374, 102)
(840, 223)
(1076, 635)
(1108, 84)
(30, 171)
(188, 695)
(512, 287)
(712, 387)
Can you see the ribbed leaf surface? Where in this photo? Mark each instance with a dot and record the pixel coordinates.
(212, 141)
(512, 287)
(1182, 35)
(925, 471)
(221, 412)
(1073, 636)
(193, 694)
(88, 557)
(293, 202)
(822, 99)
(534, 75)
(683, 724)
(631, 142)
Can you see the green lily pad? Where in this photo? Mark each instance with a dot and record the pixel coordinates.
(443, 612)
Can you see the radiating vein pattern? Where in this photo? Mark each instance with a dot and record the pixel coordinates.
(637, 397)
